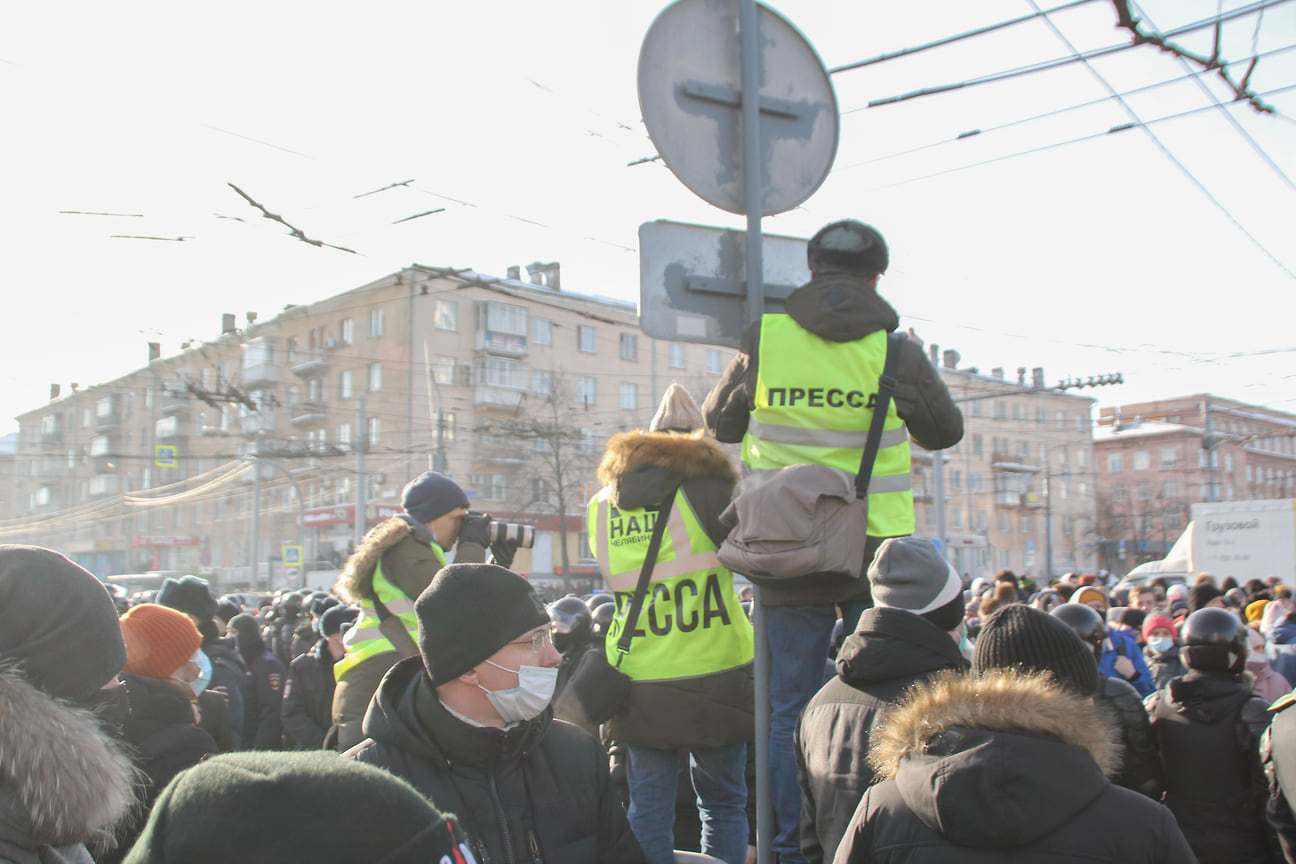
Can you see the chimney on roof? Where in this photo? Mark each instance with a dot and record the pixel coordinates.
(155, 351)
(1037, 377)
(515, 272)
(933, 351)
(998, 372)
(1021, 375)
(54, 391)
(544, 274)
(951, 358)
(227, 323)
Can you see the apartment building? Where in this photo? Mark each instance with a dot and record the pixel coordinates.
(1156, 459)
(259, 444)
(1019, 487)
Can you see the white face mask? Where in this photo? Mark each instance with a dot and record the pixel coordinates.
(531, 696)
(199, 684)
(1161, 644)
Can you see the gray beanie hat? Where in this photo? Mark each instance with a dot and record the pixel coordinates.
(909, 573)
(678, 411)
(430, 496)
(470, 611)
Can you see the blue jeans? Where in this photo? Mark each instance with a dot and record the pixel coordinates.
(798, 641)
(719, 779)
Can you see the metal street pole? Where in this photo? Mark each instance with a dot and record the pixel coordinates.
(255, 552)
(361, 446)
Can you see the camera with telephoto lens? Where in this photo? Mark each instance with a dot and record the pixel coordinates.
(522, 536)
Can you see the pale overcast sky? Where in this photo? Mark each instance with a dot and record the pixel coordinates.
(520, 116)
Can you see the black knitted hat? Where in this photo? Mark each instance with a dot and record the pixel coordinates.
(1201, 595)
(431, 495)
(469, 612)
(220, 810)
(189, 595)
(57, 623)
(1019, 637)
(335, 616)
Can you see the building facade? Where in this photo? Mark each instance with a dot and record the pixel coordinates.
(1019, 487)
(1156, 459)
(261, 444)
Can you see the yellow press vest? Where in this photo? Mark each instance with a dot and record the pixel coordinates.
(814, 402)
(364, 639)
(692, 622)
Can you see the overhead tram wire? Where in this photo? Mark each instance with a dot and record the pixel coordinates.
(949, 40)
(1077, 57)
(976, 133)
(1228, 116)
(1201, 187)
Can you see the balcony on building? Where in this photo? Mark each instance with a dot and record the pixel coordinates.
(109, 418)
(507, 344)
(259, 368)
(308, 413)
(51, 434)
(258, 422)
(312, 367)
(175, 405)
(1011, 462)
(501, 398)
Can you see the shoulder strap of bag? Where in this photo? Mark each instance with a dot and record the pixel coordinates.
(886, 389)
(645, 575)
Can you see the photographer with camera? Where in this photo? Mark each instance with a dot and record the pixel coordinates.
(384, 576)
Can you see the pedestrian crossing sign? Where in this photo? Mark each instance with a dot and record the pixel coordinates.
(292, 556)
(164, 455)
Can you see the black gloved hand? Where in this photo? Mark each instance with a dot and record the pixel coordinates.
(476, 529)
(503, 552)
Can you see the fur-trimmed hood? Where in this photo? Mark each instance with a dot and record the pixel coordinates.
(63, 780)
(996, 761)
(642, 468)
(356, 581)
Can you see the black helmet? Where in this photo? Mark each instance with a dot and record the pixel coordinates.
(571, 624)
(1214, 639)
(597, 600)
(602, 616)
(847, 246)
(291, 605)
(1086, 622)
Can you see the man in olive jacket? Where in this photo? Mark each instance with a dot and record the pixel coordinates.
(469, 725)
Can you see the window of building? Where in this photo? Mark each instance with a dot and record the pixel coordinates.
(630, 397)
(1061, 419)
(343, 435)
(507, 318)
(629, 347)
(714, 362)
(1115, 463)
(445, 315)
(974, 408)
(676, 352)
(491, 487)
(1141, 461)
(1143, 491)
(1004, 522)
(375, 431)
(977, 444)
(542, 382)
(443, 369)
(1118, 494)
(978, 482)
(375, 377)
(956, 480)
(585, 341)
(344, 384)
(956, 517)
(1168, 457)
(541, 331)
(501, 372)
(930, 519)
(1017, 411)
(1228, 462)
(1174, 521)
(586, 390)
(1001, 410)
(348, 331)
(1170, 490)
(1041, 417)
(1145, 524)
(588, 441)
(1027, 524)
(375, 323)
(448, 426)
(981, 520)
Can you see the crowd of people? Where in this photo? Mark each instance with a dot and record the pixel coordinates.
(435, 708)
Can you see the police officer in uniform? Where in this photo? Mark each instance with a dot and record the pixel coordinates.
(690, 652)
(800, 392)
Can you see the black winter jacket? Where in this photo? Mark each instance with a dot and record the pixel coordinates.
(889, 652)
(1278, 753)
(308, 699)
(263, 702)
(228, 671)
(537, 791)
(1207, 728)
(1140, 769)
(838, 307)
(1003, 768)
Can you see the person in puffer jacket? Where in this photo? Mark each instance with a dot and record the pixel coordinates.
(1007, 765)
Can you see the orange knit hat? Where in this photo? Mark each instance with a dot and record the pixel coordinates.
(158, 640)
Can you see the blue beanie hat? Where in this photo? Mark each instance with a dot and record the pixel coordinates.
(431, 495)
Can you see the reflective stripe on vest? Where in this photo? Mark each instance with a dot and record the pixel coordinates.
(364, 640)
(816, 411)
(692, 622)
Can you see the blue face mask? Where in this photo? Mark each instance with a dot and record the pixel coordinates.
(199, 684)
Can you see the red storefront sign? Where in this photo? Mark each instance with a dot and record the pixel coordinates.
(164, 541)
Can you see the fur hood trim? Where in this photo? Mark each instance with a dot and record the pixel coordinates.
(689, 454)
(356, 581)
(65, 775)
(1000, 701)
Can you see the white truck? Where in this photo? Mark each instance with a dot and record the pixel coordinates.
(1242, 539)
